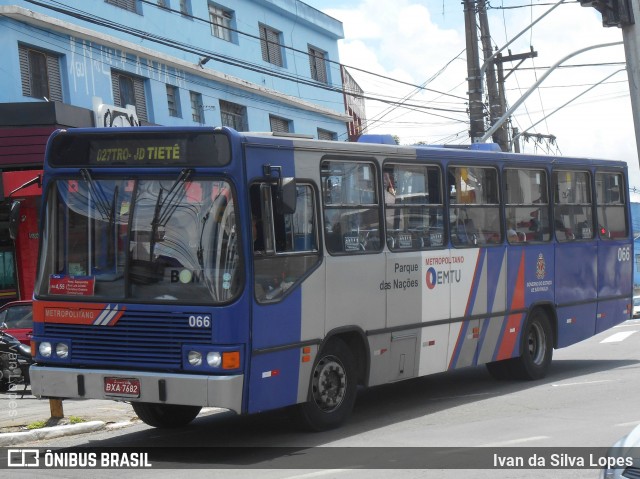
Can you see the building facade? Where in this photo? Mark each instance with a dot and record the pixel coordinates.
(259, 65)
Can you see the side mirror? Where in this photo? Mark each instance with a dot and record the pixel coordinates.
(286, 196)
(14, 220)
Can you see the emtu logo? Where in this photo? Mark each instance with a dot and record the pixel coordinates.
(431, 278)
(434, 277)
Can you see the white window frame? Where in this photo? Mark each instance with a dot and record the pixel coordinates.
(220, 22)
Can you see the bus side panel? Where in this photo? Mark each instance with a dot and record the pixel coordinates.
(615, 278)
(273, 382)
(576, 294)
(481, 290)
(353, 291)
(507, 344)
(539, 280)
(274, 375)
(491, 328)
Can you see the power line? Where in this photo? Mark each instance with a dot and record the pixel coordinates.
(82, 15)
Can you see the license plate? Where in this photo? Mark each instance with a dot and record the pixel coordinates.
(128, 387)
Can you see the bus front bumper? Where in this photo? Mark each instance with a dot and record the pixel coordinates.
(161, 388)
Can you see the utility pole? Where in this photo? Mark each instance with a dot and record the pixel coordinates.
(496, 106)
(631, 38)
(474, 78)
(516, 140)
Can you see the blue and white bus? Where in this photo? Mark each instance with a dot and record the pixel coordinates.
(188, 267)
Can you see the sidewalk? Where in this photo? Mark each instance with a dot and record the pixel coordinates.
(16, 413)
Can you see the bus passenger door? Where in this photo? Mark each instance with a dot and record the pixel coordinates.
(288, 294)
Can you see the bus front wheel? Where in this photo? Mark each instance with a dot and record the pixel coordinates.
(332, 389)
(536, 347)
(165, 415)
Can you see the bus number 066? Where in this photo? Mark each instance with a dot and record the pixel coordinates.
(624, 253)
(199, 321)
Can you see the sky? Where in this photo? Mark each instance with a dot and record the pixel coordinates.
(422, 42)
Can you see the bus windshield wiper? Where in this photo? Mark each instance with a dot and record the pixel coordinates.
(103, 205)
(165, 207)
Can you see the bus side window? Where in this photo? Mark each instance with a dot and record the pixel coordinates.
(611, 205)
(526, 205)
(351, 206)
(572, 205)
(285, 245)
(413, 206)
(474, 213)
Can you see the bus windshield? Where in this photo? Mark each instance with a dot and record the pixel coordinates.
(144, 239)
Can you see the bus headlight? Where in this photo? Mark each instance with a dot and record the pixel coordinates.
(194, 358)
(45, 349)
(62, 350)
(214, 359)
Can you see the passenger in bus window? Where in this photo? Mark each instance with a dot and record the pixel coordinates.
(512, 234)
(562, 233)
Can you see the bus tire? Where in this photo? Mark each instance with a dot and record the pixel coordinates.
(332, 388)
(536, 348)
(165, 415)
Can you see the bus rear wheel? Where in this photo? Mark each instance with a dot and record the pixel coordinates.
(332, 389)
(165, 415)
(536, 348)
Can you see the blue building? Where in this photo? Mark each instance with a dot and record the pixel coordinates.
(260, 65)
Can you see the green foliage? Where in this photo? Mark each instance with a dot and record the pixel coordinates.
(37, 425)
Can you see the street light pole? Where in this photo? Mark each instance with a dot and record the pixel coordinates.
(521, 100)
(517, 135)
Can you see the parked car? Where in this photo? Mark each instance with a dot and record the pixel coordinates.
(636, 307)
(623, 457)
(16, 319)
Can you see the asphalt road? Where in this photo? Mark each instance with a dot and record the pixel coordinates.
(589, 399)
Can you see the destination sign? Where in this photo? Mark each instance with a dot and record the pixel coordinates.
(139, 147)
(137, 151)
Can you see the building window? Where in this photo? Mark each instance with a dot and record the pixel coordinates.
(124, 4)
(40, 74)
(327, 135)
(129, 90)
(185, 7)
(197, 114)
(220, 22)
(270, 45)
(173, 101)
(317, 65)
(233, 115)
(279, 125)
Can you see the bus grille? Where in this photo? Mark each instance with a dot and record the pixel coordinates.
(139, 339)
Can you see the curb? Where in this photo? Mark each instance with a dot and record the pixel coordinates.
(12, 438)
